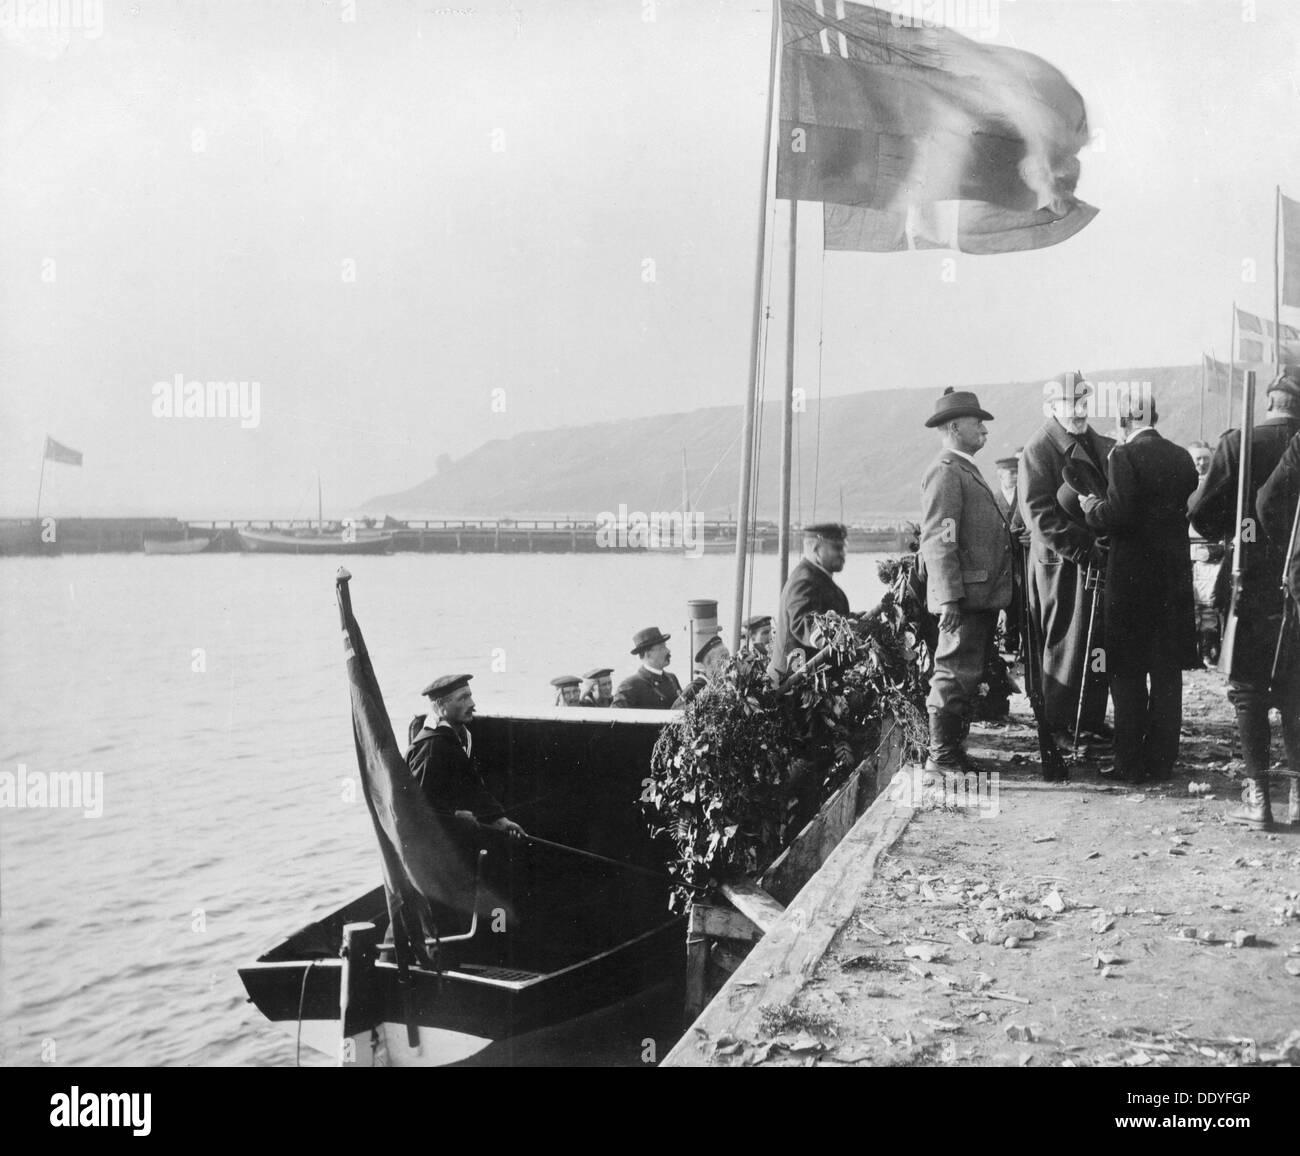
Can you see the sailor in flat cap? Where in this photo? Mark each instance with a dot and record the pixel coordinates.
(1061, 549)
(597, 690)
(966, 546)
(566, 689)
(810, 589)
(1253, 687)
(758, 635)
(441, 757)
(709, 661)
(651, 687)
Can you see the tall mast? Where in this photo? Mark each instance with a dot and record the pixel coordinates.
(747, 436)
(787, 411)
(1277, 280)
(320, 507)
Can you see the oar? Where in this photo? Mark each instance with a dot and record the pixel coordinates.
(659, 875)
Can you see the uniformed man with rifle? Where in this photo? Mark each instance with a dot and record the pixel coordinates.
(1225, 508)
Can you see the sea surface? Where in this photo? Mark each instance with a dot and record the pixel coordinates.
(211, 693)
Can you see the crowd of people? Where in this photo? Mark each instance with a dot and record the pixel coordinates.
(1103, 562)
(1122, 585)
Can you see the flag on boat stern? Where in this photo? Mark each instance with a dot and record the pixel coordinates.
(423, 866)
(57, 452)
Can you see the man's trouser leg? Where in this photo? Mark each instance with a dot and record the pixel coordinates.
(959, 662)
(1164, 717)
(1129, 690)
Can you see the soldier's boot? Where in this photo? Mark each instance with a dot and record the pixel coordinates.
(1255, 811)
(967, 763)
(945, 742)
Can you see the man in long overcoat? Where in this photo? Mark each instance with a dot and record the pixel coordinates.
(1251, 686)
(1150, 613)
(1059, 554)
(966, 547)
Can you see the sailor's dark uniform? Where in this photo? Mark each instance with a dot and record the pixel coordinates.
(444, 767)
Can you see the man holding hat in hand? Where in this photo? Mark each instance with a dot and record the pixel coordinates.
(966, 547)
(442, 757)
(651, 687)
(810, 589)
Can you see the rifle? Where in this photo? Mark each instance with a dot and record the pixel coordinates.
(1238, 546)
(1053, 765)
(1286, 593)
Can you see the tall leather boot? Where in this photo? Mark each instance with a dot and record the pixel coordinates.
(1255, 811)
(945, 742)
(964, 760)
(1291, 738)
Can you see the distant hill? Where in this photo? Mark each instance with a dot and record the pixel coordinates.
(873, 445)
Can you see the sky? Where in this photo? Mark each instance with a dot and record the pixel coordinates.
(422, 225)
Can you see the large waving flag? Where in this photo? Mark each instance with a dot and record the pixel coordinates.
(1255, 339)
(879, 111)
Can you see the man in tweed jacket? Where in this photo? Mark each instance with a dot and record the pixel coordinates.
(966, 546)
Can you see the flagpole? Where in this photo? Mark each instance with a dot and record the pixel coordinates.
(40, 486)
(1201, 422)
(1232, 361)
(747, 438)
(787, 415)
(1277, 280)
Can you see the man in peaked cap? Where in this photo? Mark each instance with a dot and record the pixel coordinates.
(810, 589)
(1008, 472)
(566, 689)
(596, 687)
(1252, 689)
(651, 687)
(1060, 551)
(709, 661)
(966, 546)
(441, 757)
(758, 634)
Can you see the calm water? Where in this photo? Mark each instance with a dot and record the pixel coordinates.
(224, 824)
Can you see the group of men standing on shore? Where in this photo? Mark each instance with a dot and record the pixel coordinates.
(1108, 606)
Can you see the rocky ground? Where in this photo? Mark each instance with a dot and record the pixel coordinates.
(1081, 924)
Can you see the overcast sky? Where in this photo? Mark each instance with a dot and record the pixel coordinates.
(384, 212)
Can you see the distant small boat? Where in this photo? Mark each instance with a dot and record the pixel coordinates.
(176, 545)
(315, 542)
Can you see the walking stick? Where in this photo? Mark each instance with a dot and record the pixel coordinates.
(1286, 593)
(1095, 581)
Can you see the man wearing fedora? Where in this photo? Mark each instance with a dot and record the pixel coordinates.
(810, 589)
(1150, 623)
(1252, 687)
(1060, 551)
(651, 687)
(441, 756)
(966, 547)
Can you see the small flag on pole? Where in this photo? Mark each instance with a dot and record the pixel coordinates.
(57, 452)
(1290, 252)
(1216, 374)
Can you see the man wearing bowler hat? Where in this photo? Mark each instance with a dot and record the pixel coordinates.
(1061, 549)
(596, 687)
(810, 589)
(966, 546)
(442, 757)
(651, 687)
